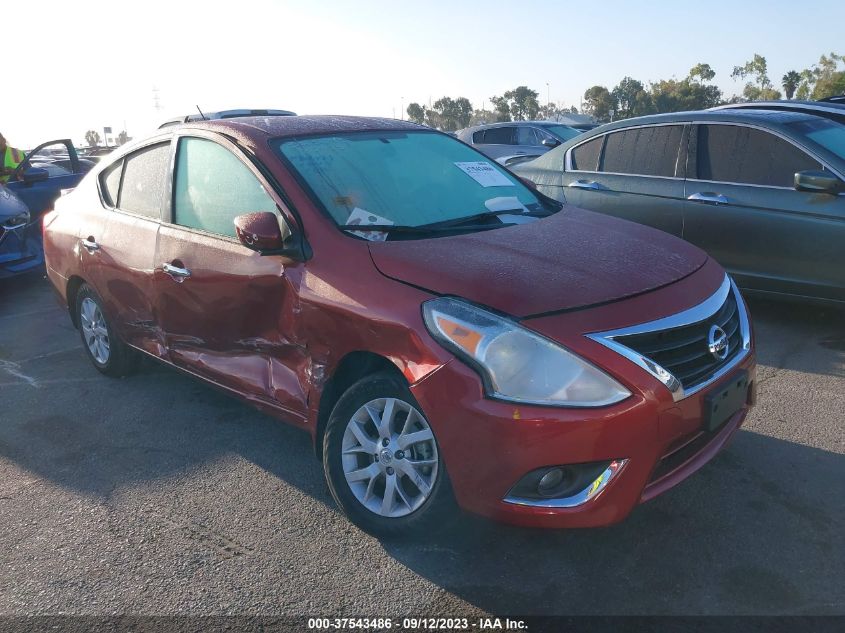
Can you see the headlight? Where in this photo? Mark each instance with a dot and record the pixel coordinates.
(515, 363)
(17, 221)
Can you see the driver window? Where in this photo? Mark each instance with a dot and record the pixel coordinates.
(213, 186)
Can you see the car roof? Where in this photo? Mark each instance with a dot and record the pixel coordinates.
(484, 126)
(770, 117)
(798, 106)
(293, 126)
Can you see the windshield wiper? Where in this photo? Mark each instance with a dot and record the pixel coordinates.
(422, 229)
(485, 215)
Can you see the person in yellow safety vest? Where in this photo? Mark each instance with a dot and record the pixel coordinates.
(10, 158)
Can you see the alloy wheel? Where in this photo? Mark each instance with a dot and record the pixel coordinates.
(389, 457)
(94, 330)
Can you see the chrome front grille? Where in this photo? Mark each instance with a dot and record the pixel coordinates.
(684, 352)
(676, 349)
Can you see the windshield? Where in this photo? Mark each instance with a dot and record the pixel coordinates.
(563, 132)
(823, 132)
(406, 179)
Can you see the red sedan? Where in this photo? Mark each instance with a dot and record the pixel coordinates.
(443, 331)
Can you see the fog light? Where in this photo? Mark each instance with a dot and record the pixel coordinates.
(549, 482)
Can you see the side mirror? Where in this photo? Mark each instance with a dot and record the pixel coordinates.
(262, 232)
(818, 182)
(550, 142)
(35, 174)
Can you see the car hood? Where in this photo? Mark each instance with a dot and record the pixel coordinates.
(573, 259)
(10, 204)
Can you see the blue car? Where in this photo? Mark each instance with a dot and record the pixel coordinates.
(39, 180)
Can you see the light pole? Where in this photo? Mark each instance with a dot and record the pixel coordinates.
(548, 96)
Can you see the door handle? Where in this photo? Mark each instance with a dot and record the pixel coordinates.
(176, 273)
(585, 184)
(90, 244)
(712, 198)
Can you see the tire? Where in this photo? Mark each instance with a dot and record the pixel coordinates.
(107, 352)
(420, 494)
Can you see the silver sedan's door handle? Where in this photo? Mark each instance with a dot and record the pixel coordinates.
(90, 244)
(585, 184)
(178, 274)
(712, 198)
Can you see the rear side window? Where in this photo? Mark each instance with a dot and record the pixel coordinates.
(110, 183)
(644, 151)
(144, 181)
(478, 137)
(738, 154)
(498, 136)
(213, 187)
(585, 157)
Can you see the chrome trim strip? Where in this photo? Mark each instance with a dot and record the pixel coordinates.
(579, 498)
(700, 312)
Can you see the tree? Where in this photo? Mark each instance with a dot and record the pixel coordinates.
(631, 99)
(123, 138)
(452, 114)
(761, 88)
(598, 102)
(701, 71)
(825, 78)
(790, 83)
(92, 138)
(416, 113)
(519, 104)
(502, 108)
(480, 117)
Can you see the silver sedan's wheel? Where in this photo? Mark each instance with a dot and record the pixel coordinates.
(94, 330)
(389, 457)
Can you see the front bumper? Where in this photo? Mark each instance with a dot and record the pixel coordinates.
(488, 446)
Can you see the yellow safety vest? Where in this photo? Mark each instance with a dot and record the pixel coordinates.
(12, 158)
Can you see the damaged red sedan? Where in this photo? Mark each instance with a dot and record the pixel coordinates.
(443, 331)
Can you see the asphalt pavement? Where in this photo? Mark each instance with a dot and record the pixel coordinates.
(155, 494)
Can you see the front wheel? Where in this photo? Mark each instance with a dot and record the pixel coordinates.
(382, 461)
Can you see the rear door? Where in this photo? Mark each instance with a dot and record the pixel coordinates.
(743, 209)
(219, 303)
(117, 247)
(634, 173)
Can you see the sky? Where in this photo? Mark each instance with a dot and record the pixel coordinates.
(91, 64)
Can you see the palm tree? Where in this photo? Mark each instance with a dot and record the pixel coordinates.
(790, 83)
(92, 138)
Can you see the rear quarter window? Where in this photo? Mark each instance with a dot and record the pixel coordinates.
(585, 157)
(644, 151)
(110, 183)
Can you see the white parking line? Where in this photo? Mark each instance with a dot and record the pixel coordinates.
(14, 369)
(49, 354)
(31, 382)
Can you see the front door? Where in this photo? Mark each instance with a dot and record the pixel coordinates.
(226, 311)
(743, 209)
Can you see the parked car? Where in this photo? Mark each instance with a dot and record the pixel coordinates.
(761, 191)
(37, 183)
(224, 114)
(833, 110)
(517, 137)
(436, 326)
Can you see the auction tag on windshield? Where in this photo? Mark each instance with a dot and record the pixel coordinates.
(485, 174)
(362, 217)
